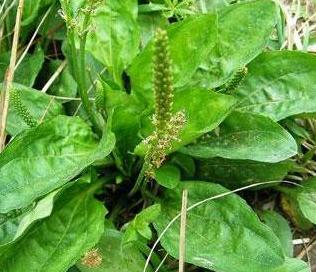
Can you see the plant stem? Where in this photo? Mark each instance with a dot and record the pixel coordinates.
(155, 258)
(116, 210)
(139, 180)
(280, 28)
(149, 195)
(118, 162)
(82, 52)
(73, 53)
(78, 70)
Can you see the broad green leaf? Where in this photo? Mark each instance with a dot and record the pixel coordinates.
(190, 41)
(57, 242)
(239, 173)
(115, 40)
(41, 106)
(46, 157)
(245, 136)
(298, 131)
(222, 234)
(243, 32)
(27, 71)
(200, 120)
(13, 226)
(139, 226)
(293, 265)
(114, 257)
(205, 112)
(168, 176)
(280, 226)
(279, 84)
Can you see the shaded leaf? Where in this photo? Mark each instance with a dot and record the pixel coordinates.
(300, 203)
(290, 206)
(296, 129)
(281, 228)
(50, 23)
(126, 123)
(239, 173)
(32, 10)
(307, 200)
(186, 163)
(27, 71)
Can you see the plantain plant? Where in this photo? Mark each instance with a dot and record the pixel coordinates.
(118, 107)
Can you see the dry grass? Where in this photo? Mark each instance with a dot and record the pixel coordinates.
(182, 230)
(5, 95)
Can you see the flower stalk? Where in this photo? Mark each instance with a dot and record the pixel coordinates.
(167, 124)
(78, 29)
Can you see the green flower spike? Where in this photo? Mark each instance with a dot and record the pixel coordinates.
(236, 80)
(162, 80)
(167, 125)
(99, 97)
(21, 109)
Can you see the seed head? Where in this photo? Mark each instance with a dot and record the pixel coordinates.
(92, 258)
(167, 124)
